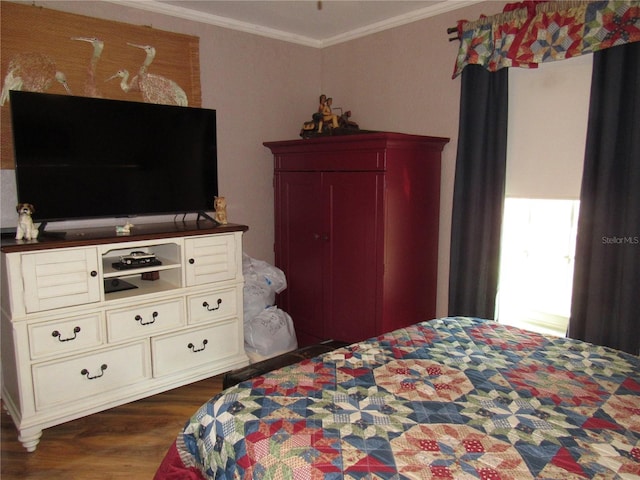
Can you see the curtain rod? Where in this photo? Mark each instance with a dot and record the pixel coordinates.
(451, 30)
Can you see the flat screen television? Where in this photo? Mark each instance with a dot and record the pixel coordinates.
(80, 157)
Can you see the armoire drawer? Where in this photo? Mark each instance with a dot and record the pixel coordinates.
(65, 335)
(214, 305)
(95, 374)
(144, 320)
(173, 353)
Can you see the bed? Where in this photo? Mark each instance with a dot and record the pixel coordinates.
(451, 398)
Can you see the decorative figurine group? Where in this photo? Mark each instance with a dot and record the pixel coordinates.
(325, 122)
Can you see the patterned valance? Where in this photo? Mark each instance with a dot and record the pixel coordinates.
(533, 32)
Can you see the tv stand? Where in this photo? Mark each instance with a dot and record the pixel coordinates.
(44, 233)
(63, 314)
(206, 216)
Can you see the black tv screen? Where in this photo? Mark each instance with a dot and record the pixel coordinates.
(81, 157)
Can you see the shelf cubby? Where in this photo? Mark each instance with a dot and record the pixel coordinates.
(169, 270)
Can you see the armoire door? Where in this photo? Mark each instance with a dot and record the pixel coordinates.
(299, 242)
(352, 241)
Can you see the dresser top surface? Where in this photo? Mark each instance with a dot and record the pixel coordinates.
(102, 235)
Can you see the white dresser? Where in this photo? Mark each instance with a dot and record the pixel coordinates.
(75, 342)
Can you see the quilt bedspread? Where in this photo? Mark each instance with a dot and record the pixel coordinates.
(453, 398)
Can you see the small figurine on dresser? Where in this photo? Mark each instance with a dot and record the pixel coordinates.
(325, 122)
(25, 229)
(124, 229)
(220, 216)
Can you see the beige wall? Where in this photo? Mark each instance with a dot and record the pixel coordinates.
(263, 89)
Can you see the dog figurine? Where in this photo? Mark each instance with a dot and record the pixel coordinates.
(26, 229)
(220, 204)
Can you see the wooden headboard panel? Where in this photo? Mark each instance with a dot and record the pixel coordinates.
(39, 35)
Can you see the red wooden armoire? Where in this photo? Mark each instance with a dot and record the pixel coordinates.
(356, 232)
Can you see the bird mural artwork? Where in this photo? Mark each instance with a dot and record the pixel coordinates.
(90, 88)
(154, 88)
(32, 72)
(35, 72)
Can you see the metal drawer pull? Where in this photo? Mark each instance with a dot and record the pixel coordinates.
(211, 309)
(85, 372)
(57, 334)
(139, 319)
(192, 347)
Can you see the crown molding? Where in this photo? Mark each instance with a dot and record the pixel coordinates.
(218, 21)
(196, 16)
(427, 12)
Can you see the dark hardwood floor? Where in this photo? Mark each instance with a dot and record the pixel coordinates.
(126, 442)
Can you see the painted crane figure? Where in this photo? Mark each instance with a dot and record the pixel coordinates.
(151, 54)
(31, 72)
(154, 88)
(90, 88)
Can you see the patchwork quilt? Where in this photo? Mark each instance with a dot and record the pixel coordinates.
(452, 398)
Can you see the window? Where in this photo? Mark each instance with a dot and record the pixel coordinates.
(536, 264)
(548, 111)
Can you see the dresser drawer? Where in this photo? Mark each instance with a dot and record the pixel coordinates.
(66, 335)
(89, 375)
(144, 320)
(214, 305)
(199, 346)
